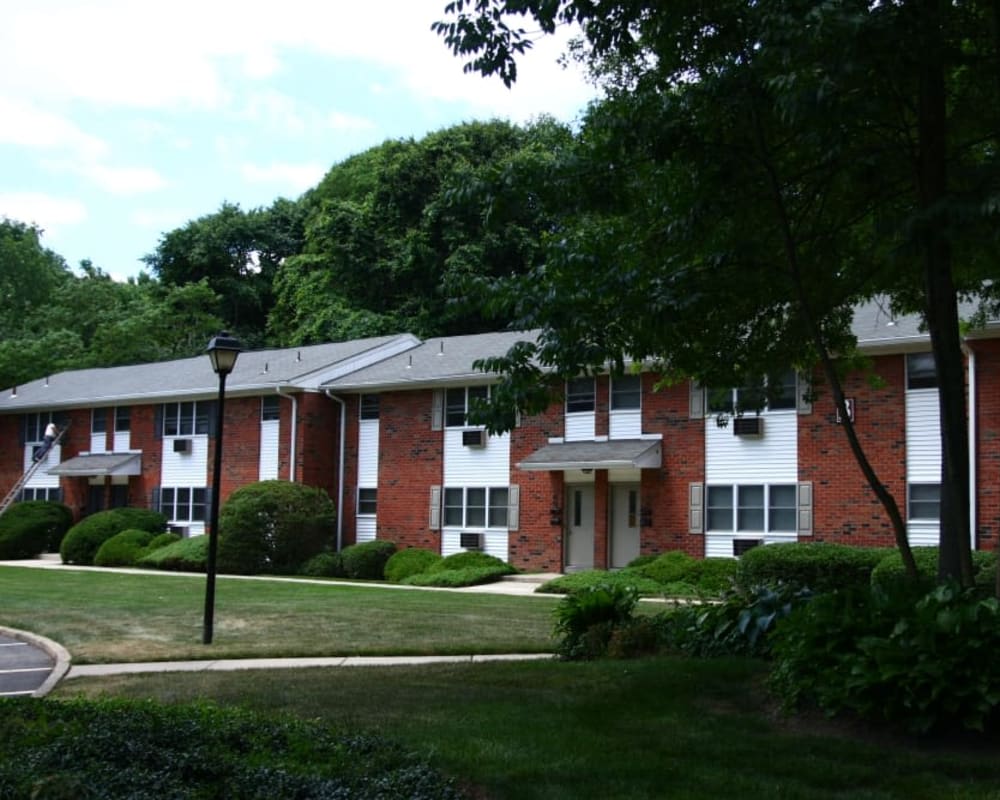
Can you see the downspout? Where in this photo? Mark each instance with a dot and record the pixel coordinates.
(295, 431)
(971, 356)
(340, 467)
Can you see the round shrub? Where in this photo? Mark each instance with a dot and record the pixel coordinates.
(184, 555)
(411, 561)
(890, 569)
(162, 540)
(367, 560)
(33, 527)
(715, 575)
(274, 527)
(671, 567)
(820, 566)
(123, 549)
(472, 559)
(83, 540)
(324, 565)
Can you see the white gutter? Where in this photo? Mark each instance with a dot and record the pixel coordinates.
(295, 430)
(970, 354)
(340, 467)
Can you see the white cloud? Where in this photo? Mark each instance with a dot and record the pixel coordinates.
(47, 212)
(297, 177)
(124, 180)
(339, 121)
(27, 126)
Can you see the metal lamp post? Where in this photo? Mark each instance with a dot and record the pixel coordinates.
(223, 351)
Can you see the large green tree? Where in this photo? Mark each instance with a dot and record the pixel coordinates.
(757, 170)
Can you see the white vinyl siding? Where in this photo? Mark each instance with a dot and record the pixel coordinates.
(580, 427)
(923, 457)
(267, 469)
(773, 458)
(625, 415)
(368, 453)
(184, 469)
(364, 530)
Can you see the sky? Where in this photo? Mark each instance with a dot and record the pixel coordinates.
(121, 121)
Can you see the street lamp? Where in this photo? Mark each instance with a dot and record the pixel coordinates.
(223, 351)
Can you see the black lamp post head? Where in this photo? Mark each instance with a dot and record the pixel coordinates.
(223, 351)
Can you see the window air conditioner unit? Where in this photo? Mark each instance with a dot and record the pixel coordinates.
(475, 438)
(182, 445)
(471, 541)
(740, 546)
(752, 427)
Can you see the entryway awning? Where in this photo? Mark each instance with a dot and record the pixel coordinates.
(616, 454)
(98, 464)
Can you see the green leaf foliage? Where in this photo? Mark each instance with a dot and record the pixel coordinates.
(123, 549)
(366, 560)
(458, 577)
(33, 527)
(84, 539)
(324, 565)
(820, 566)
(409, 561)
(141, 750)
(184, 555)
(586, 620)
(274, 527)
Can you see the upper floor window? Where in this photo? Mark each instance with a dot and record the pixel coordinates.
(921, 371)
(775, 393)
(580, 395)
(369, 406)
(123, 419)
(185, 419)
(458, 403)
(626, 392)
(270, 409)
(99, 420)
(35, 424)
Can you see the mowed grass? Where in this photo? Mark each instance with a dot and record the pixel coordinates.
(107, 617)
(653, 728)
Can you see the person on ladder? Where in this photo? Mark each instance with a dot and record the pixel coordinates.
(51, 432)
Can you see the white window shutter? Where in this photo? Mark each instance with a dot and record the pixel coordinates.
(803, 394)
(434, 518)
(696, 508)
(437, 410)
(696, 408)
(513, 507)
(805, 503)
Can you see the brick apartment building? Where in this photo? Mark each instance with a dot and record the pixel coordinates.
(614, 469)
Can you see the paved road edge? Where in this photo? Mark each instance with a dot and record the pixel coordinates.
(54, 649)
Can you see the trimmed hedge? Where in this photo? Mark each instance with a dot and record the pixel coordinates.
(890, 569)
(473, 559)
(274, 527)
(185, 555)
(574, 582)
(456, 578)
(704, 575)
(33, 527)
(366, 560)
(123, 549)
(324, 565)
(411, 561)
(84, 539)
(820, 566)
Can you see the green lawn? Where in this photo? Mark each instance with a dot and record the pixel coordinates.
(654, 728)
(103, 617)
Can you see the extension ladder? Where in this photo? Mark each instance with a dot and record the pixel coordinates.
(11, 496)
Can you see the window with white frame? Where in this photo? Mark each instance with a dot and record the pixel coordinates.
(626, 392)
(123, 419)
(476, 507)
(367, 502)
(99, 420)
(924, 501)
(51, 494)
(756, 507)
(580, 395)
(183, 503)
(185, 419)
(34, 426)
(921, 371)
(776, 393)
(459, 401)
(270, 409)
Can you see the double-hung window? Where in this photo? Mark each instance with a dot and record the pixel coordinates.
(921, 371)
(185, 419)
(123, 419)
(182, 503)
(580, 395)
(369, 406)
(626, 393)
(459, 402)
(776, 393)
(476, 507)
(269, 408)
(99, 420)
(752, 508)
(924, 501)
(367, 502)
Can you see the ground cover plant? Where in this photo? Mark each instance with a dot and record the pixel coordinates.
(135, 750)
(664, 727)
(119, 616)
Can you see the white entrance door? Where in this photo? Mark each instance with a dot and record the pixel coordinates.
(624, 524)
(580, 527)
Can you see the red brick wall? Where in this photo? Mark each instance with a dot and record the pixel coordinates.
(665, 491)
(845, 510)
(987, 422)
(318, 449)
(411, 460)
(351, 455)
(538, 542)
